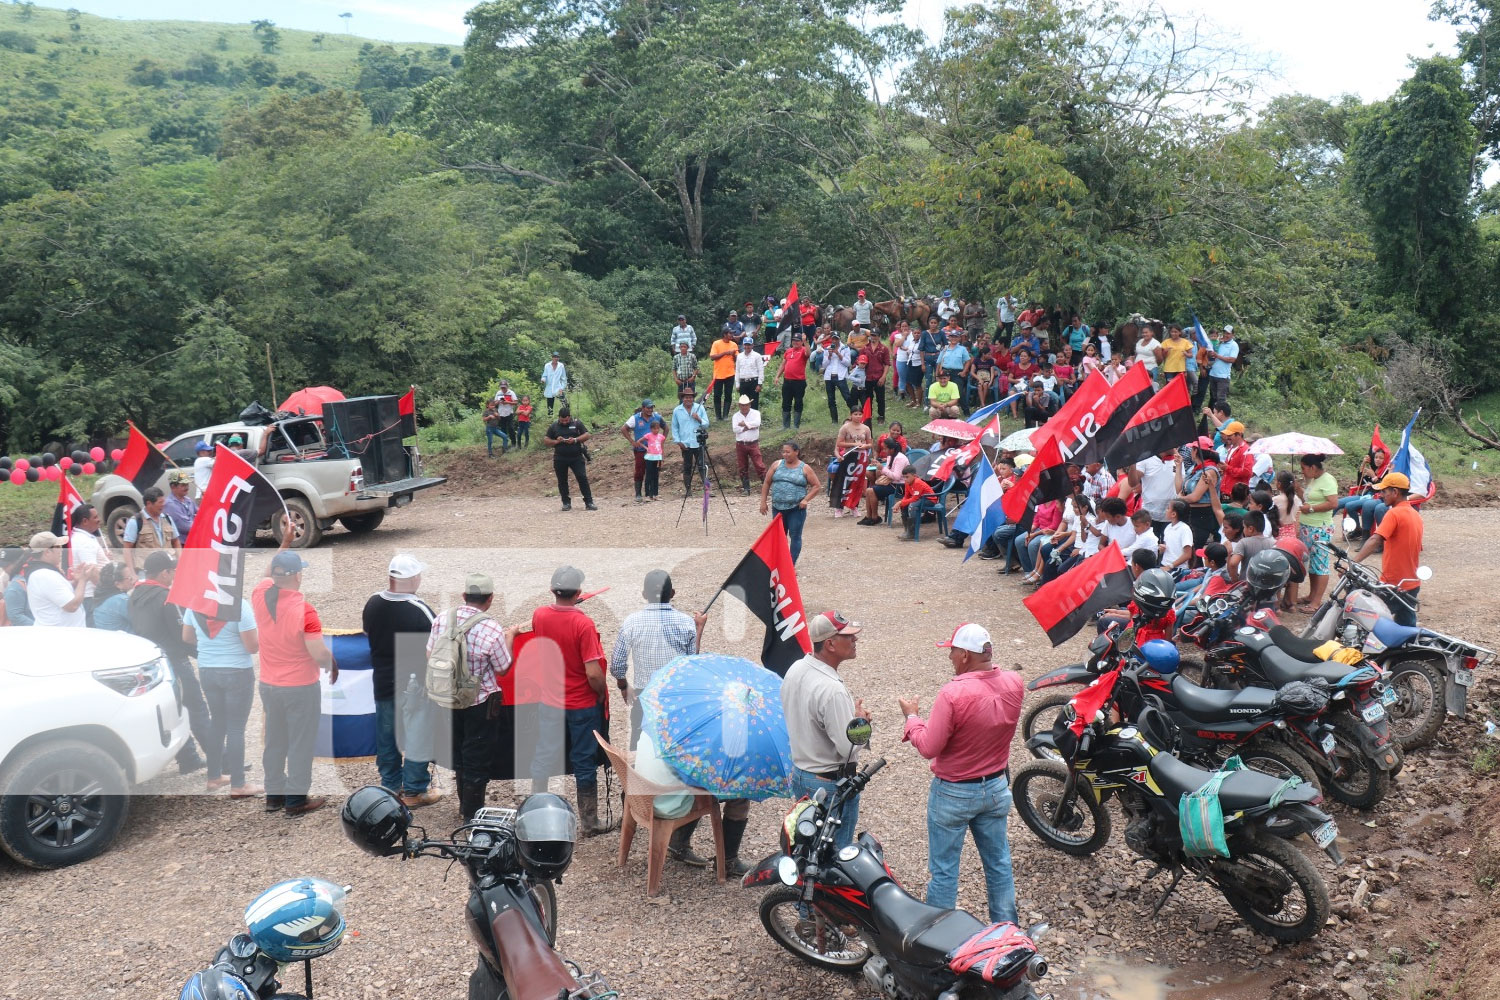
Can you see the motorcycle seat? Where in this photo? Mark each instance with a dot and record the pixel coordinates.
(1210, 705)
(1393, 635)
(1282, 668)
(924, 934)
(1294, 645)
(1241, 790)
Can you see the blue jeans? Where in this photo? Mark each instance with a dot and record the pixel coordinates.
(1029, 553)
(402, 775)
(805, 783)
(792, 519)
(954, 809)
(490, 433)
(1002, 538)
(579, 725)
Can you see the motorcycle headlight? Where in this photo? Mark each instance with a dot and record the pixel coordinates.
(136, 680)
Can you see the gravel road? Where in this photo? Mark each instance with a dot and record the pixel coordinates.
(138, 920)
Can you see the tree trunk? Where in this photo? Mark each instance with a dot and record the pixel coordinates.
(689, 184)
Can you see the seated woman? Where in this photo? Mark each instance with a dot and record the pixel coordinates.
(888, 480)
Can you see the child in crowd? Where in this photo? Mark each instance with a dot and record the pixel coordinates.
(654, 440)
(523, 422)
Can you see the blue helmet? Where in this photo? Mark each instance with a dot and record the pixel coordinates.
(297, 919)
(215, 983)
(1161, 656)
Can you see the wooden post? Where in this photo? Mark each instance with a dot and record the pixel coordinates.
(271, 372)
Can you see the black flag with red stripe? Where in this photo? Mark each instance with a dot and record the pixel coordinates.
(1065, 605)
(143, 463)
(1046, 478)
(765, 581)
(1126, 398)
(1162, 424)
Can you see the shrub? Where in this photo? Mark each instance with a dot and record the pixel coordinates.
(17, 41)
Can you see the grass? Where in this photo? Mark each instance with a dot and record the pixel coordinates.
(27, 509)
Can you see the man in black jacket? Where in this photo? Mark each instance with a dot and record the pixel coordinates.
(397, 623)
(151, 617)
(566, 438)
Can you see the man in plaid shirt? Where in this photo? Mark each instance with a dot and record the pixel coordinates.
(487, 649)
(650, 638)
(684, 368)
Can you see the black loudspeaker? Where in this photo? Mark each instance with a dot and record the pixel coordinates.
(368, 428)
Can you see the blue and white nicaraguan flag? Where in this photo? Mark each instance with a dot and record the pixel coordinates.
(980, 516)
(347, 725)
(1199, 337)
(1410, 462)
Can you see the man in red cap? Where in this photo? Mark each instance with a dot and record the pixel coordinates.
(864, 310)
(818, 709)
(967, 737)
(1401, 532)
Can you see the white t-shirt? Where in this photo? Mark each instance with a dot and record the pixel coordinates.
(86, 549)
(1158, 486)
(1122, 535)
(904, 350)
(1145, 540)
(1088, 542)
(47, 591)
(203, 470)
(1145, 353)
(1177, 537)
(1006, 306)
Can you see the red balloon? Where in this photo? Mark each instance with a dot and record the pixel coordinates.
(96, 453)
(53, 473)
(116, 455)
(88, 468)
(66, 462)
(22, 464)
(18, 476)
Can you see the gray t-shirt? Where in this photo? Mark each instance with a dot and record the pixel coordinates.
(818, 708)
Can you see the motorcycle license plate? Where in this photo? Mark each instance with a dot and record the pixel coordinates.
(1388, 696)
(1326, 834)
(1463, 678)
(1328, 743)
(1373, 712)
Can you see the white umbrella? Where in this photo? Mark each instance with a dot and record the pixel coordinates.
(1294, 444)
(1017, 441)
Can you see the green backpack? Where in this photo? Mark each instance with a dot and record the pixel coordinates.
(449, 682)
(1200, 817)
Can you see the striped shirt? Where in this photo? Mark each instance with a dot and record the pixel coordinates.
(651, 638)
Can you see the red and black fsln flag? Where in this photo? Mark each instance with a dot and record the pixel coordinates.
(766, 582)
(143, 463)
(1162, 424)
(211, 573)
(1046, 478)
(849, 478)
(406, 406)
(68, 502)
(1065, 605)
(1127, 397)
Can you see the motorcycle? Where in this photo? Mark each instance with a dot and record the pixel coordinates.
(315, 906)
(844, 910)
(1282, 731)
(1062, 798)
(1430, 672)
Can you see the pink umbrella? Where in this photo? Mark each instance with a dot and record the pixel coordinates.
(959, 430)
(1294, 444)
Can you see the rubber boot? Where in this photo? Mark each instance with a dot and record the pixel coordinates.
(680, 847)
(786, 422)
(745, 485)
(470, 798)
(797, 420)
(588, 813)
(734, 832)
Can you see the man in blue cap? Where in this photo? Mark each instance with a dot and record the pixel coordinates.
(634, 430)
(292, 652)
(203, 468)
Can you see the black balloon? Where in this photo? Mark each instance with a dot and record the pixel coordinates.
(33, 474)
(48, 460)
(4, 462)
(80, 456)
(75, 470)
(36, 461)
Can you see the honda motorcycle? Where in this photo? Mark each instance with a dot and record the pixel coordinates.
(1430, 672)
(1062, 798)
(842, 909)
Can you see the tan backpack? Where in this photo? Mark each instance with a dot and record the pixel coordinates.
(449, 682)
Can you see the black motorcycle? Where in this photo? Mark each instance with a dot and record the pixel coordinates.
(1062, 798)
(843, 910)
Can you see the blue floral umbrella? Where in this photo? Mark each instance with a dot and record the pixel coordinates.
(717, 722)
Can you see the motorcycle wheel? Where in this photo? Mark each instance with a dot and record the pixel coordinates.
(1260, 883)
(1420, 707)
(780, 913)
(1044, 712)
(1362, 784)
(1278, 760)
(1037, 788)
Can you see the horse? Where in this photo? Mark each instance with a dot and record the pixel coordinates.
(841, 319)
(914, 311)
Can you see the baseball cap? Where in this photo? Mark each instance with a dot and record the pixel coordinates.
(1228, 328)
(747, 340)
(968, 636)
(179, 476)
(829, 624)
(861, 291)
(203, 446)
(1394, 480)
(854, 322)
(646, 402)
(733, 313)
(557, 354)
(1234, 427)
(287, 564)
(1026, 326)
(744, 400)
(681, 316)
(567, 578)
(478, 585)
(658, 582)
(404, 567)
(505, 382)
(158, 562)
(1205, 443)
(947, 291)
(44, 540)
(235, 441)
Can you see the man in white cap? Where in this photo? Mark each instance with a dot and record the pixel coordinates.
(397, 622)
(746, 424)
(749, 370)
(967, 737)
(53, 599)
(818, 709)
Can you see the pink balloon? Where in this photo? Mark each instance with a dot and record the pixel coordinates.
(22, 464)
(96, 453)
(18, 476)
(116, 455)
(88, 468)
(66, 462)
(53, 473)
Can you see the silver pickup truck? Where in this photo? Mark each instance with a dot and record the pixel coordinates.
(315, 470)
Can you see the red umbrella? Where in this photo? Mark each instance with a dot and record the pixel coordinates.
(959, 430)
(309, 401)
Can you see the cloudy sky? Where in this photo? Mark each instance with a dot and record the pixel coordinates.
(1319, 47)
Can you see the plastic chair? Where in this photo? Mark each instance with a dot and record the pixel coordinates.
(640, 797)
(936, 504)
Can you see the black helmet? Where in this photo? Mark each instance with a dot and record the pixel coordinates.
(546, 829)
(1154, 591)
(375, 820)
(216, 984)
(1268, 571)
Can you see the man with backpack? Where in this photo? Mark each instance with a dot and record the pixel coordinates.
(467, 653)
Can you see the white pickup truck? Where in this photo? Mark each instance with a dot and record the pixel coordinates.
(325, 473)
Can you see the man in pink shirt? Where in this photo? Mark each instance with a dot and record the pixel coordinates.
(967, 737)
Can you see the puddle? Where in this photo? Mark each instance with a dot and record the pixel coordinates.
(1114, 980)
(1118, 981)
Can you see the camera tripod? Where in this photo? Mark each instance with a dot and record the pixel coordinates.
(705, 467)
